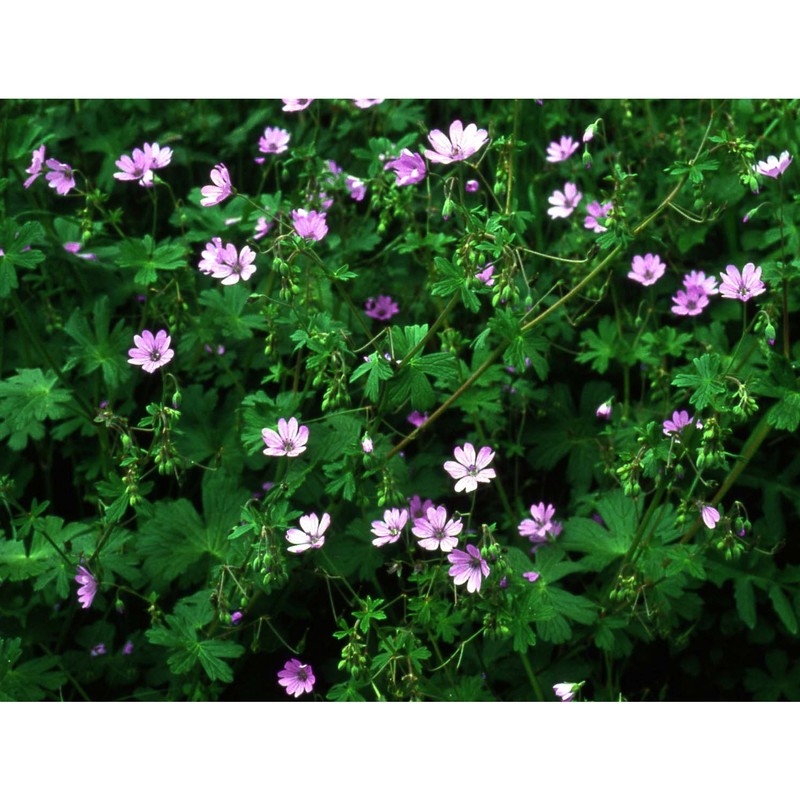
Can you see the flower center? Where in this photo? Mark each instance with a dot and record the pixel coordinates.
(155, 355)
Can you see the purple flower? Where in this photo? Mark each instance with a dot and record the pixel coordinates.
(35, 169)
(290, 440)
(471, 186)
(236, 617)
(485, 276)
(262, 228)
(367, 103)
(699, 281)
(679, 421)
(88, 586)
(594, 213)
(710, 516)
(296, 105)
(417, 508)
(646, 270)
(127, 648)
(469, 468)
(773, 167)
(151, 352)
(159, 156)
(356, 187)
(741, 285)
(309, 224)
(561, 151)
(137, 168)
(541, 525)
(463, 143)
(382, 308)
(296, 678)
(221, 188)
(417, 418)
(60, 176)
(588, 134)
(531, 576)
(604, 411)
(468, 567)
(409, 168)
(75, 249)
(564, 203)
(566, 691)
(226, 264)
(689, 303)
(366, 444)
(436, 531)
(98, 650)
(312, 535)
(389, 531)
(274, 140)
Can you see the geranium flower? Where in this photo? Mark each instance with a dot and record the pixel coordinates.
(159, 156)
(75, 248)
(262, 228)
(136, 168)
(532, 577)
(382, 308)
(541, 525)
(463, 143)
(417, 418)
(436, 531)
(356, 187)
(566, 691)
(290, 439)
(690, 302)
(296, 105)
(469, 468)
(741, 285)
(471, 186)
(98, 650)
(468, 567)
(367, 445)
(774, 166)
(594, 213)
(409, 168)
(296, 677)
(312, 535)
(389, 531)
(60, 176)
(274, 140)
(699, 280)
(35, 169)
(367, 103)
(151, 352)
(604, 411)
(309, 224)
(226, 263)
(679, 421)
(646, 270)
(710, 516)
(564, 203)
(485, 275)
(128, 648)
(221, 188)
(88, 586)
(561, 151)
(417, 508)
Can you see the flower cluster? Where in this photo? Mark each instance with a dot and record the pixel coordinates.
(225, 263)
(693, 298)
(541, 526)
(140, 165)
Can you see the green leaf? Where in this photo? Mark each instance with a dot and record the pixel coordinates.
(785, 414)
(377, 369)
(783, 608)
(745, 601)
(28, 681)
(705, 380)
(13, 241)
(601, 346)
(147, 259)
(226, 314)
(210, 654)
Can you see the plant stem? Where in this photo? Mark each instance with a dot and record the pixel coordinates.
(526, 663)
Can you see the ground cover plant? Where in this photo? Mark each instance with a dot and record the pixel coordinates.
(399, 400)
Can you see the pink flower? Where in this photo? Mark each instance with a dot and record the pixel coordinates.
(485, 276)
(463, 143)
(159, 156)
(417, 508)
(389, 531)
(588, 134)
(226, 264)
(312, 535)
(75, 248)
(531, 576)
(98, 650)
(296, 678)
(741, 285)
(469, 468)
(594, 213)
(471, 186)
(274, 140)
(773, 167)
(296, 105)
(60, 177)
(221, 188)
(367, 103)
(604, 411)
(690, 302)
(367, 445)
(88, 586)
(436, 531)
(679, 421)
(290, 439)
(35, 169)
(262, 228)
(382, 308)
(561, 151)
(151, 352)
(128, 648)
(468, 567)
(417, 418)
(356, 187)
(566, 691)
(136, 168)
(646, 270)
(309, 224)
(409, 168)
(541, 526)
(710, 516)
(699, 280)
(564, 203)
(236, 617)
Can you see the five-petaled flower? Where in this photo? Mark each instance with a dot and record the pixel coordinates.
(88, 586)
(60, 176)
(700, 281)
(296, 677)
(309, 224)
(436, 531)
(690, 302)
(541, 526)
(594, 213)
(151, 352)
(561, 151)
(469, 469)
(646, 269)
(710, 516)
(679, 421)
(774, 166)
(381, 308)
(417, 418)
(35, 169)
(564, 203)
(290, 439)
(388, 531)
(741, 285)
(296, 105)
(312, 535)
(274, 140)
(409, 168)
(220, 187)
(463, 143)
(225, 263)
(468, 567)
